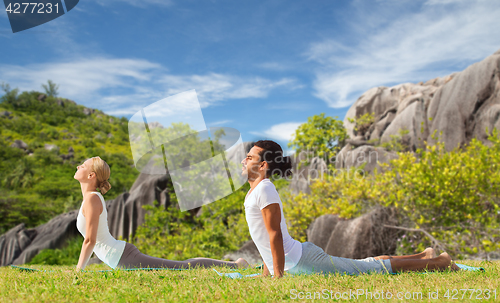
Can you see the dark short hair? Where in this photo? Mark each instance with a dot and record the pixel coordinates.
(272, 153)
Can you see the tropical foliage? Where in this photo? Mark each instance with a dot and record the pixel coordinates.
(448, 199)
(320, 137)
(37, 183)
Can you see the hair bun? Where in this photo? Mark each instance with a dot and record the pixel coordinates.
(104, 187)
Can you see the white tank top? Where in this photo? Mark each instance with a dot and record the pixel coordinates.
(107, 249)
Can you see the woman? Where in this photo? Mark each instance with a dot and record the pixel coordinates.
(280, 252)
(92, 223)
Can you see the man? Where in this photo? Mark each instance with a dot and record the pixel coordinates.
(280, 252)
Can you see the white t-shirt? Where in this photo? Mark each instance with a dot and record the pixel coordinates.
(263, 195)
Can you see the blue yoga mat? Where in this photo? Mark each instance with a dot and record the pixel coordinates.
(236, 275)
(106, 270)
(470, 268)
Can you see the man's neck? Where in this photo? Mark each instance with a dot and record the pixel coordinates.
(253, 183)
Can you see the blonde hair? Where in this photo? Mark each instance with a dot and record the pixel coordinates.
(102, 172)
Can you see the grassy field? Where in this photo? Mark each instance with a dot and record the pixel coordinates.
(60, 284)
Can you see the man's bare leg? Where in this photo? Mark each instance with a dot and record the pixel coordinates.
(428, 253)
(441, 262)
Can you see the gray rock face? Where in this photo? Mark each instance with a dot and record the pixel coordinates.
(125, 213)
(14, 242)
(51, 147)
(155, 124)
(19, 245)
(302, 177)
(248, 251)
(320, 231)
(358, 238)
(467, 105)
(19, 144)
(5, 113)
(461, 106)
(367, 158)
(69, 155)
(88, 111)
(52, 234)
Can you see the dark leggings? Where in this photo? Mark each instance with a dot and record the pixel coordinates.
(133, 258)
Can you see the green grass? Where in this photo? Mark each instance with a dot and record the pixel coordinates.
(63, 285)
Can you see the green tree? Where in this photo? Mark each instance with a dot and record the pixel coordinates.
(22, 176)
(51, 89)
(10, 95)
(320, 136)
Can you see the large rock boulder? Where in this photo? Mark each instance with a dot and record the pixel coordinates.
(88, 111)
(303, 175)
(52, 234)
(14, 242)
(248, 251)
(461, 106)
(19, 144)
(366, 157)
(468, 104)
(126, 212)
(358, 238)
(5, 114)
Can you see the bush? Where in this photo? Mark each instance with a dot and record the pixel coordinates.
(68, 255)
(320, 136)
(175, 235)
(453, 196)
(40, 185)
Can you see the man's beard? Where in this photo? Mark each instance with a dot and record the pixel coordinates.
(251, 173)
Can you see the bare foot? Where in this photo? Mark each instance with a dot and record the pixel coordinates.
(444, 261)
(429, 253)
(242, 263)
(454, 267)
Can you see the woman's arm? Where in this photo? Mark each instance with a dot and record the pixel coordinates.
(265, 271)
(272, 220)
(92, 209)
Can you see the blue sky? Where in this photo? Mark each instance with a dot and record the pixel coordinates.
(260, 67)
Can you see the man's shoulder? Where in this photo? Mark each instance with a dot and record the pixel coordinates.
(267, 186)
(266, 183)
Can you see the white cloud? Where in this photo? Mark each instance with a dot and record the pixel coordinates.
(441, 2)
(281, 132)
(219, 123)
(124, 86)
(411, 47)
(213, 87)
(274, 66)
(81, 78)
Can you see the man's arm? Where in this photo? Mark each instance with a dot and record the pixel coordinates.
(272, 220)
